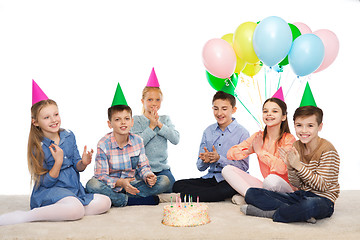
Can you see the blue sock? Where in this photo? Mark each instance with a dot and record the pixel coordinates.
(151, 200)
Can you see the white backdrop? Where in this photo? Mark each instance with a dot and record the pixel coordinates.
(77, 51)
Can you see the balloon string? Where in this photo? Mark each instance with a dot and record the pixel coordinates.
(291, 86)
(262, 126)
(270, 86)
(248, 110)
(236, 95)
(257, 81)
(279, 82)
(265, 84)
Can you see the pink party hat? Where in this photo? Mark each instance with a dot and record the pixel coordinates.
(37, 94)
(279, 94)
(153, 81)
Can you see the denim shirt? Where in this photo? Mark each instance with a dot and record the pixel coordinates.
(50, 190)
(233, 134)
(67, 177)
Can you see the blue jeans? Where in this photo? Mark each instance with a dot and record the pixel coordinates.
(297, 206)
(120, 199)
(167, 173)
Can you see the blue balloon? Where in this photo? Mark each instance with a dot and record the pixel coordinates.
(277, 68)
(306, 54)
(272, 40)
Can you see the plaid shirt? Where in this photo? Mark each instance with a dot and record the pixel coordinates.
(113, 162)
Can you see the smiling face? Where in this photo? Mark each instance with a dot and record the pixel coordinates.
(223, 112)
(121, 122)
(307, 129)
(48, 120)
(152, 100)
(272, 114)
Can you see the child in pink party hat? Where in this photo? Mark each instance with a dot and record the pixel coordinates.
(266, 145)
(155, 129)
(54, 164)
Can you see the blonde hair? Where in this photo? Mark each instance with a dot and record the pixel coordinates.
(35, 154)
(148, 89)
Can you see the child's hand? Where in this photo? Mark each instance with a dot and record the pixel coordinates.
(258, 142)
(283, 156)
(125, 184)
(205, 156)
(153, 117)
(213, 156)
(86, 156)
(209, 157)
(293, 158)
(57, 153)
(151, 179)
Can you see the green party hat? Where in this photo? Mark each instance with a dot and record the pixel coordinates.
(119, 98)
(307, 98)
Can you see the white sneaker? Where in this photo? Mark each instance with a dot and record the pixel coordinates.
(238, 199)
(311, 220)
(166, 197)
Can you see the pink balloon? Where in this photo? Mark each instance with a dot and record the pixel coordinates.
(219, 58)
(331, 44)
(304, 29)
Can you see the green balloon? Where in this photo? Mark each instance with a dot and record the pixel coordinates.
(295, 33)
(223, 84)
(230, 84)
(215, 82)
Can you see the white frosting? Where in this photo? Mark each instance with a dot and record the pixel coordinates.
(186, 215)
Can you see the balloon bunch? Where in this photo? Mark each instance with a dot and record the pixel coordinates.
(271, 42)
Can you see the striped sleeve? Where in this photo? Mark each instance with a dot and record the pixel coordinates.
(323, 178)
(294, 178)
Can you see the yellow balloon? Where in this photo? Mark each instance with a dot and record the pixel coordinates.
(240, 65)
(229, 38)
(252, 69)
(243, 42)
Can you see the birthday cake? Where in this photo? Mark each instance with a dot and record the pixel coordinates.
(186, 215)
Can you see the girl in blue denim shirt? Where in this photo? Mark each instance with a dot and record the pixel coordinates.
(54, 163)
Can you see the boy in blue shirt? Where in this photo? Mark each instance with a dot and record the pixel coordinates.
(217, 139)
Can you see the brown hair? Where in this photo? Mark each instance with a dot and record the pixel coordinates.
(148, 89)
(284, 127)
(118, 108)
(308, 111)
(35, 154)
(224, 96)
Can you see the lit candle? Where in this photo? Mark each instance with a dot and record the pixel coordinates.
(197, 199)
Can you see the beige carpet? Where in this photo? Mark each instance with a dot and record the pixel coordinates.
(227, 222)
